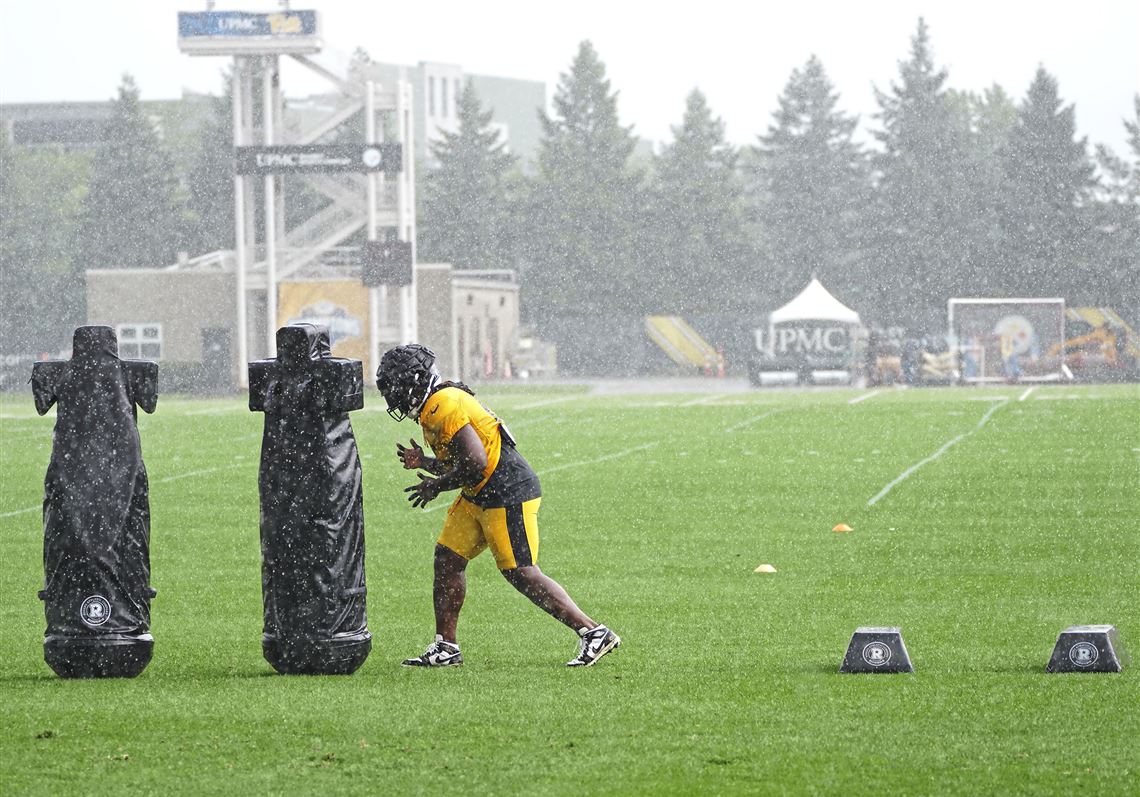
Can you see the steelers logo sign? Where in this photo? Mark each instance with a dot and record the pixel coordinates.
(1017, 330)
(371, 157)
(877, 654)
(1084, 654)
(95, 611)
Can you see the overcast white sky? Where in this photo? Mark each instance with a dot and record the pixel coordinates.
(739, 53)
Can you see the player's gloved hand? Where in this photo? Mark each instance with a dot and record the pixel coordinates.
(411, 457)
(423, 493)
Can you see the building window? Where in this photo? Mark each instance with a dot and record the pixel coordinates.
(431, 96)
(443, 96)
(140, 341)
(458, 94)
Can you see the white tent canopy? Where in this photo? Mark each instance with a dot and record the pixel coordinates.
(814, 303)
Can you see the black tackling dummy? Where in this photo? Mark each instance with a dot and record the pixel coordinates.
(96, 511)
(312, 516)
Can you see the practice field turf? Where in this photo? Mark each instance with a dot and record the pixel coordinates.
(657, 508)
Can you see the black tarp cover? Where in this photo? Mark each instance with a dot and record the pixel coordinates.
(96, 509)
(312, 515)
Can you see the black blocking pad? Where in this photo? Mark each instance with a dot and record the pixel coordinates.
(312, 516)
(96, 518)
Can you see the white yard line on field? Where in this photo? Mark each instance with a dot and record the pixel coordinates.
(1068, 396)
(604, 458)
(187, 475)
(864, 397)
(546, 402)
(217, 410)
(945, 447)
(580, 464)
(752, 420)
(191, 474)
(1025, 395)
(700, 400)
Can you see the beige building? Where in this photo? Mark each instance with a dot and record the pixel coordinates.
(186, 319)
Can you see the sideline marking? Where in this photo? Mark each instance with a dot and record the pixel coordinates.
(216, 410)
(1025, 395)
(603, 458)
(700, 400)
(545, 403)
(201, 472)
(945, 447)
(864, 397)
(582, 463)
(164, 479)
(753, 420)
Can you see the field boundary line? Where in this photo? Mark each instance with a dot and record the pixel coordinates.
(754, 419)
(604, 458)
(150, 481)
(865, 396)
(709, 399)
(216, 410)
(942, 450)
(582, 463)
(202, 472)
(533, 405)
(1025, 395)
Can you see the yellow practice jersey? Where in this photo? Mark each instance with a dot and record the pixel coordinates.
(448, 410)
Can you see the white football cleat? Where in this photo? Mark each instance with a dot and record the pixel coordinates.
(595, 643)
(438, 654)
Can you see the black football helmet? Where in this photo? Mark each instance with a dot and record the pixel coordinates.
(405, 378)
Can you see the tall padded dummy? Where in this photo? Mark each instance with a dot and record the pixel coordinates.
(96, 510)
(312, 514)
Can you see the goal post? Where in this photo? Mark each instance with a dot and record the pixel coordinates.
(1009, 339)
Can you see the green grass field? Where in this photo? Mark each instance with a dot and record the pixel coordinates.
(657, 508)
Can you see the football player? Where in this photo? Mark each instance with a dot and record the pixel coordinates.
(497, 507)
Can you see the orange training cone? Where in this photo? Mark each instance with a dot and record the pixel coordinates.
(843, 527)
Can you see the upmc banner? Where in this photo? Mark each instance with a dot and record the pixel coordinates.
(195, 24)
(387, 157)
(340, 305)
(816, 343)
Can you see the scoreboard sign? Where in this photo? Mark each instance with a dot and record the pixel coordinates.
(248, 33)
(314, 158)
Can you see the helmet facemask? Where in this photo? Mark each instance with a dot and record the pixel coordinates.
(405, 378)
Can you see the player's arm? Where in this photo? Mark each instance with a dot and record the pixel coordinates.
(468, 461)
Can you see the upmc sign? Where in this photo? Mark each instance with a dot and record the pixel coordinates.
(245, 33)
(387, 157)
(193, 24)
(804, 340)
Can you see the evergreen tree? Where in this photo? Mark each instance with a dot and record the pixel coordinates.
(811, 183)
(1116, 236)
(134, 212)
(466, 219)
(41, 193)
(1050, 178)
(700, 252)
(584, 203)
(984, 269)
(926, 212)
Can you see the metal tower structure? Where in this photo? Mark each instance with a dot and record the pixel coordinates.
(363, 192)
